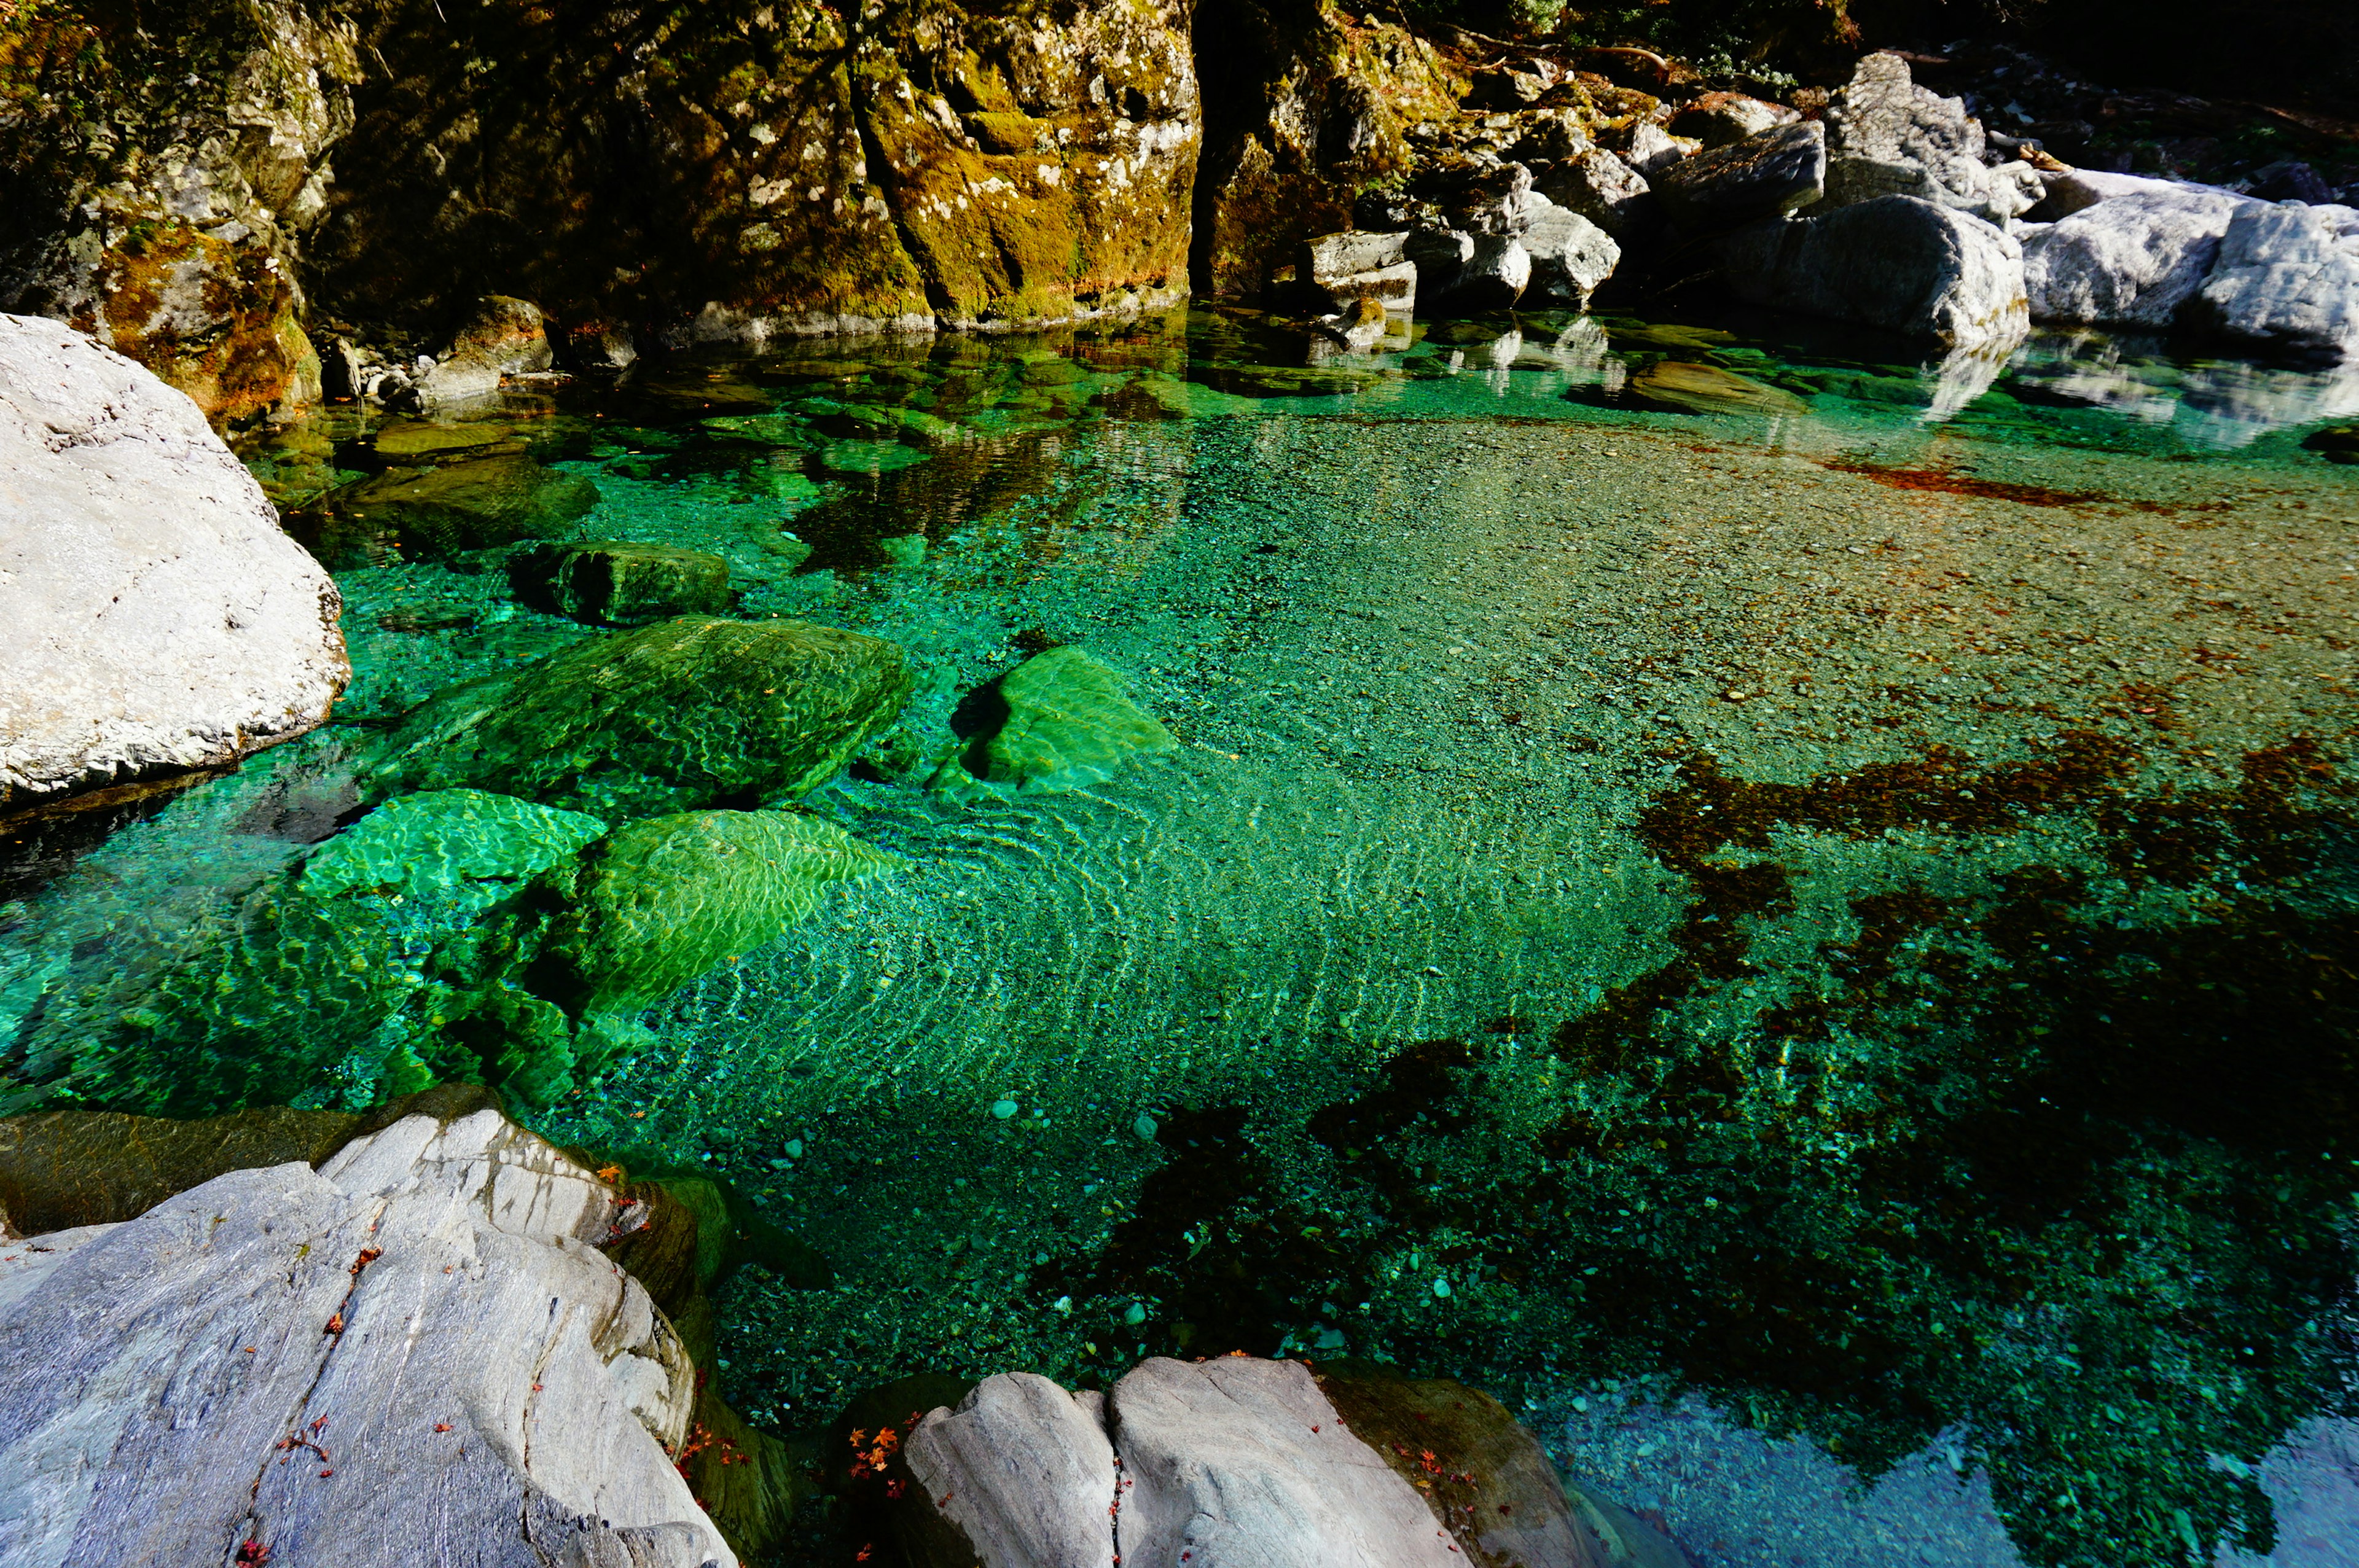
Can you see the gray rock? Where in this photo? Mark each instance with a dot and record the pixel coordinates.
(1353, 251)
(1494, 276)
(1604, 190)
(505, 337)
(1570, 256)
(415, 1347)
(1907, 265)
(1720, 119)
(2132, 261)
(1024, 1471)
(1653, 150)
(2287, 276)
(1766, 176)
(2078, 190)
(1888, 136)
(156, 617)
(1226, 1467)
(1439, 255)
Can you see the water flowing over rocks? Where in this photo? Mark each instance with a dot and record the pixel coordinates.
(416, 1343)
(158, 619)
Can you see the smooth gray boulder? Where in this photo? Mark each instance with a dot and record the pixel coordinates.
(413, 1351)
(1570, 256)
(1439, 255)
(1766, 176)
(2287, 277)
(1226, 1465)
(1604, 190)
(158, 619)
(2130, 261)
(1888, 137)
(505, 337)
(1024, 1470)
(1929, 272)
(1494, 276)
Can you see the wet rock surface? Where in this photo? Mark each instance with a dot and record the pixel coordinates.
(158, 619)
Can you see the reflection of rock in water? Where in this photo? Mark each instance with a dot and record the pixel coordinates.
(2210, 402)
(1960, 376)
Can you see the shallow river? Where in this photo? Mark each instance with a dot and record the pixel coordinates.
(1786, 890)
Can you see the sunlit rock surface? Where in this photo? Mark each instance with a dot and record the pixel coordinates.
(415, 1344)
(156, 617)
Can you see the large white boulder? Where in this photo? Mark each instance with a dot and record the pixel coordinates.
(1929, 272)
(157, 616)
(414, 1354)
(2287, 276)
(2131, 260)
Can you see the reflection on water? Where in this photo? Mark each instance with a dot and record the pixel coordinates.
(1696, 855)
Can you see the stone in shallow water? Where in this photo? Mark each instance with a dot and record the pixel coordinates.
(669, 899)
(2132, 261)
(2287, 277)
(1687, 388)
(668, 718)
(156, 617)
(621, 582)
(478, 504)
(420, 843)
(1069, 725)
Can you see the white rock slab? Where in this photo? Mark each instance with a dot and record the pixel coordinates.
(1025, 1470)
(157, 616)
(413, 1356)
(1226, 1466)
(2133, 260)
(2287, 276)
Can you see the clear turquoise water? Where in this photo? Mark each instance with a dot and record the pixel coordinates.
(1842, 906)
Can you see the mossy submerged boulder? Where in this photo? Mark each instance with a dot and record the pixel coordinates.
(443, 839)
(620, 582)
(478, 504)
(669, 718)
(1070, 724)
(669, 899)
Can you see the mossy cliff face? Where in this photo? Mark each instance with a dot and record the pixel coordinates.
(1308, 107)
(731, 171)
(162, 166)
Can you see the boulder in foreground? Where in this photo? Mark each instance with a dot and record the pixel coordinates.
(413, 1346)
(158, 619)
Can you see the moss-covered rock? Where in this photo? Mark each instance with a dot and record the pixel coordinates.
(425, 844)
(1070, 724)
(668, 718)
(621, 583)
(667, 900)
(475, 505)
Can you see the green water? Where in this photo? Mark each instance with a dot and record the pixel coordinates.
(1840, 902)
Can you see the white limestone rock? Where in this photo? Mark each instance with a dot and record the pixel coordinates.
(1226, 1466)
(2129, 261)
(1024, 1470)
(412, 1352)
(2287, 277)
(1929, 272)
(157, 616)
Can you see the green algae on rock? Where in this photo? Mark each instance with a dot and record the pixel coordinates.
(670, 898)
(622, 583)
(438, 840)
(476, 504)
(669, 718)
(1070, 725)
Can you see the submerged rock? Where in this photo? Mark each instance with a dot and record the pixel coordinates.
(1070, 725)
(668, 718)
(2130, 261)
(1906, 266)
(475, 505)
(1685, 387)
(158, 619)
(2287, 277)
(618, 582)
(415, 1344)
(432, 843)
(1767, 176)
(669, 899)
